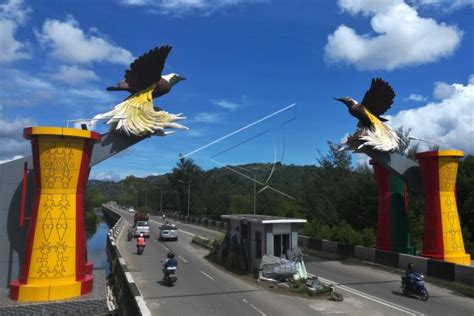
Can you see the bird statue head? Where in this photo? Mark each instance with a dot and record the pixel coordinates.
(173, 78)
(349, 102)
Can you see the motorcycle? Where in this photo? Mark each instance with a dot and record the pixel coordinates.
(140, 249)
(170, 276)
(129, 235)
(417, 288)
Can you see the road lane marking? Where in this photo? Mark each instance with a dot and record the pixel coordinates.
(374, 298)
(254, 307)
(207, 275)
(166, 247)
(183, 259)
(129, 277)
(188, 233)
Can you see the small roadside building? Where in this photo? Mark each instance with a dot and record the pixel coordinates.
(263, 235)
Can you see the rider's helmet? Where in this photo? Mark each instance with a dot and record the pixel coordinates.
(410, 267)
(141, 234)
(170, 255)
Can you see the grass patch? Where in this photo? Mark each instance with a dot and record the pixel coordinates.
(204, 242)
(298, 286)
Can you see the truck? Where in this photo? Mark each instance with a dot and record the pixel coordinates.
(141, 225)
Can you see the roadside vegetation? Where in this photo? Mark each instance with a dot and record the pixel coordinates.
(94, 198)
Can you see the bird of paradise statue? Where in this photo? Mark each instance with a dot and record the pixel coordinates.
(137, 115)
(371, 130)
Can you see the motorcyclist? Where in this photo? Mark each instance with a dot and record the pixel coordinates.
(410, 275)
(164, 216)
(169, 263)
(141, 241)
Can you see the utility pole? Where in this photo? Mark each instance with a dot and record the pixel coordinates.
(161, 199)
(254, 194)
(189, 194)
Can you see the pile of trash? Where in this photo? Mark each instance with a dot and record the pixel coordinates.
(290, 272)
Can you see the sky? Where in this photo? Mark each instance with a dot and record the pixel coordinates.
(261, 74)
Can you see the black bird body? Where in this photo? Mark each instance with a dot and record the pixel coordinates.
(377, 100)
(145, 71)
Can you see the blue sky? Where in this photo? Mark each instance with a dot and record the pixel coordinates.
(244, 59)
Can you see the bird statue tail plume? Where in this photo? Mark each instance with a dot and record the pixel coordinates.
(136, 116)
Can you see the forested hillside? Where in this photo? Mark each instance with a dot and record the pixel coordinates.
(339, 201)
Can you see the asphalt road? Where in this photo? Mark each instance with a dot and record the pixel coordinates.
(203, 289)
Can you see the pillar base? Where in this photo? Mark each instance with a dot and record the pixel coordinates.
(463, 259)
(89, 267)
(50, 292)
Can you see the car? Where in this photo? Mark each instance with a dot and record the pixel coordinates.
(168, 231)
(131, 210)
(142, 227)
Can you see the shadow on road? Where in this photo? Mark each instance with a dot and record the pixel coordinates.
(373, 282)
(201, 294)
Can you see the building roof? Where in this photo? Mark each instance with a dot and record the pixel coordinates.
(263, 219)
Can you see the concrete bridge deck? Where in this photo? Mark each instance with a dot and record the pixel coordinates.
(203, 289)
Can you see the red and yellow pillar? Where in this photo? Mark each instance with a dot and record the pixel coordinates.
(392, 218)
(54, 263)
(442, 230)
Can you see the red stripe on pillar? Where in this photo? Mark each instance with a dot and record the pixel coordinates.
(433, 246)
(384, 217)
(80, 226)
(34, 215)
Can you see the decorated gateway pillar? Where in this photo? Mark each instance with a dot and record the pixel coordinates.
(54, 262)
(392, 219)
(442, 230)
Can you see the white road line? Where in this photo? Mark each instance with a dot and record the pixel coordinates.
(183, 231)
(254, 307)
(374, 298)
(207, 275)
(166, 247)
(183, 259)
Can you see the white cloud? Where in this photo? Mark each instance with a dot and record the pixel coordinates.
(225, 104)
(207, 117)
(12, 14)
(416, 98)
(70, 44)
(179, 7)
(109, 175)
(74, 75)
(402, 38)
(449, 122)
(21, 89)
(443, 90)
(12, 143)
(14, 10)
(445, 5)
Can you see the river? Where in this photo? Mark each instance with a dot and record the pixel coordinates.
(96, 245)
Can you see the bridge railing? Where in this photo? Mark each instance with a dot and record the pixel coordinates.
(442, 270)
(128, 297)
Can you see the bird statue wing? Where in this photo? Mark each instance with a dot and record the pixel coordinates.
(379, 98)
(144, 71)
(136, 116)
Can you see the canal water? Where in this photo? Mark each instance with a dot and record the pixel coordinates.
(96, 247)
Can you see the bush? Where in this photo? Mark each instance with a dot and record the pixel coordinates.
(343, 233)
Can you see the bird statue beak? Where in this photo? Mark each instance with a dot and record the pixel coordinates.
(182, 78)
(339, 99)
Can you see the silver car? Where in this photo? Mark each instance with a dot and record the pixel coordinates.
(168, 231)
